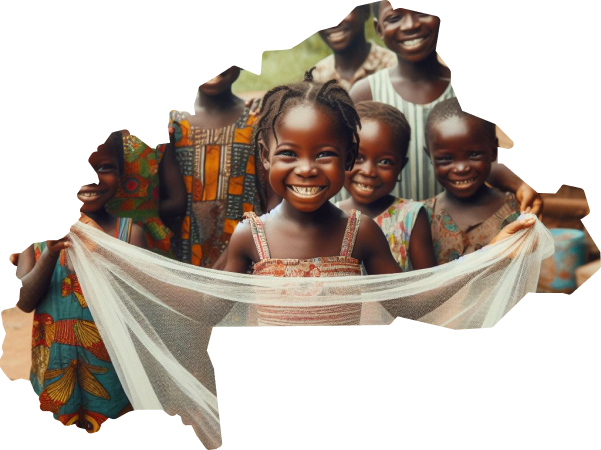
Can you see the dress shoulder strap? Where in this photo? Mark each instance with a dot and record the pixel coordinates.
(258, 232)
(350, 234)
(123, 228)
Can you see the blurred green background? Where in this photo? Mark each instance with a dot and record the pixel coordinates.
(289, 66)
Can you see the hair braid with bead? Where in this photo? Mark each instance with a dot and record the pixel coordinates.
(330, 96)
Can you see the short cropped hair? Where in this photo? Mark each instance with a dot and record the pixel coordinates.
(450, 108)
(390, 116)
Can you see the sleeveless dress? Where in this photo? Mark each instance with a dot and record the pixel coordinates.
(328, 266)
(71, 370)
(138, 194)
(222, 181)
(417, 178)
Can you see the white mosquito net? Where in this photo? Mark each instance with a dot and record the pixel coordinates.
(155, 315)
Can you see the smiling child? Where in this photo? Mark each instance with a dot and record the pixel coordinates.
(468, 214)
(354, 58)
(71, 370)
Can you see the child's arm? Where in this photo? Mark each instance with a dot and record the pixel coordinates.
(504, 179)
(138, 236)
(173, 191)
(421, 251)
(373, 249)
(36, 277)
(361, 91)
(240, 249)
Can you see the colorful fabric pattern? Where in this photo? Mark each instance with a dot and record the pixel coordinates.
(220, 174)
(378, 58)
(397, 223)
(451, 243)
(329, 266)
(71, 370)
(138, 195)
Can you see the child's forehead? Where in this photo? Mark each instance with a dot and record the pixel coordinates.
(460, 127)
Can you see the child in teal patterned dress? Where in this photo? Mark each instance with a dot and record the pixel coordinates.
(71, 370)
(384, 140)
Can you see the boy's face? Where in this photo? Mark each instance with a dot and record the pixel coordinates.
(378, 165)
(221, 82)
(343, 36)
(410, 34)
(95, 196)
(462, 153)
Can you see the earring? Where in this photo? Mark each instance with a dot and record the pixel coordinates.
(399, 178)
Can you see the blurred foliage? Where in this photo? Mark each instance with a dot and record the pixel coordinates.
(288, 66)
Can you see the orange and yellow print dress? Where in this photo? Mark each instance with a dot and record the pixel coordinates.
(71, 370)
(222, 183)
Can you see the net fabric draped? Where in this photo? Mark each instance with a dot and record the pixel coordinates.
(155, 315)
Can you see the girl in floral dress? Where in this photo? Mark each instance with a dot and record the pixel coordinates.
(71, 369)
(385, 136)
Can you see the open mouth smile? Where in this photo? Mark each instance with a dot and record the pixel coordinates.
(364, 187)
(306, 191)
(91, 195)
(462, 183)
(411, 43)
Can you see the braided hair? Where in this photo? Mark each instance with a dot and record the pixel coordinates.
(392, 118)
(450, 108)
(330, 96)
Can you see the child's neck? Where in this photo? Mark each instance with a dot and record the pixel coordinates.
(427, 69)
(222, 102)
(371, 210)
(106, 221)
(349, 60)
(319, 216)
(482, 196)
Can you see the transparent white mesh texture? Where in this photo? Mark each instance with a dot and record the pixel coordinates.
(155, 315)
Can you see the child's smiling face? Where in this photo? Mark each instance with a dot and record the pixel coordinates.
(462, 152)
(411, 35)
(95, 196)
(221, 82)
(342, 36)
(306, 164)
(378, 165)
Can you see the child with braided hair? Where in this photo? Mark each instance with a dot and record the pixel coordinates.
(307, 136)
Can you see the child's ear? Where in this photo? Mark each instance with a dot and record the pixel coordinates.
(264, 155)
(378, 28)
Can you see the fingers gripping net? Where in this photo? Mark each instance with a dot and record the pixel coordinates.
(155, 315)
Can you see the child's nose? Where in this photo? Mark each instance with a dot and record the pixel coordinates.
(410, 21)
(305, 169)
(462, 166)
(368, 169)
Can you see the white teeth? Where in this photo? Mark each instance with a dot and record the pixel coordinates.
(89, 194)
(412, 42)
(306, 190)
(337, 35)
(463, 183)
(364, 187)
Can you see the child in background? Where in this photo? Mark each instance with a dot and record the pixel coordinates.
(151, 191)
(71, 369)
(467, 214)
(414, 86)
(354, 58)
(308, 138)
(384, 140)
(217, 162)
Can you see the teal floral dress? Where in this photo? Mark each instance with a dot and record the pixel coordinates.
(71, 370)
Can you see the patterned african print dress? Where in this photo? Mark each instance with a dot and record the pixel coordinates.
(451, 243)
(71, 370)
(220, 174)
(138, 195)
(329, 266)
